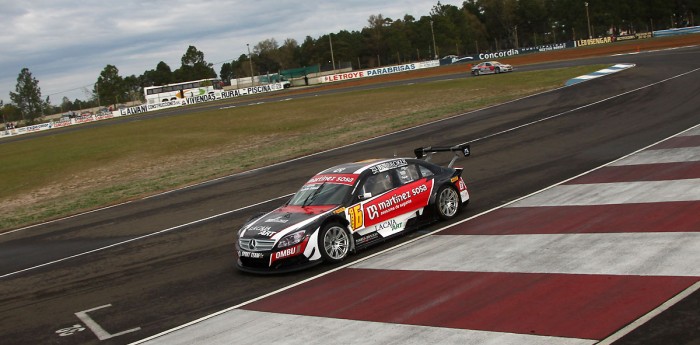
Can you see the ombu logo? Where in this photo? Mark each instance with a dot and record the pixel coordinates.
(355, 214)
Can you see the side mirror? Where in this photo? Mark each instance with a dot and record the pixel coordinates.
(365, 196)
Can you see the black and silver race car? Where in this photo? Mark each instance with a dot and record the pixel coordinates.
(351, 206)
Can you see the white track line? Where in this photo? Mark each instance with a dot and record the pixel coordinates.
(650, 315)
(140, 237)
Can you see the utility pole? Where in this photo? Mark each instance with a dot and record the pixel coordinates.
(332, 57)
(432, 32)
(250, 62)
(97, 89)
(588, 18)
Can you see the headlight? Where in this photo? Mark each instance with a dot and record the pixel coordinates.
(291, 239)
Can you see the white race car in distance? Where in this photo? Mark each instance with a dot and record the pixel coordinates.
(491, 67)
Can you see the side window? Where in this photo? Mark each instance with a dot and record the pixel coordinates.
(408, 174)
(425, 172)
(379, 183)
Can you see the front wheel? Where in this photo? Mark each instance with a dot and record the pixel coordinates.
(334, 242)
(476, 73)
(447, 203)
(498, 70)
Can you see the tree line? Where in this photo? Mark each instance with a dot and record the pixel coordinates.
(474, 27)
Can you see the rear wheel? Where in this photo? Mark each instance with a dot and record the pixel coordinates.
(498, 70)
(334, 242)
(447, 203)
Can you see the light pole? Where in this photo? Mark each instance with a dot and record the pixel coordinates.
(433, 34)
(250, 62)
(588, 18)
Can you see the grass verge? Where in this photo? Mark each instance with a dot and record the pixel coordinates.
(63, 174)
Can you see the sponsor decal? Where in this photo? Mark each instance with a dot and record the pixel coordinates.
(266, 233)
(261, 230)
(346, 179)
(286, 252)
(392, 69)
(103, 117)
(388, 166)
(355, 215)
(289, 252)
(402, 200)
(162, 105)
(199, 99)
(339, 211)
(253, 255)
(638, 36)
(36, 128)
(593, 41)
(280, 220)
(344, 76)
(133, 110)
(62, 123)
(501, 54)
(625, 38)
(391, 224)
(461, 185)
(84, 119)
(369, 237)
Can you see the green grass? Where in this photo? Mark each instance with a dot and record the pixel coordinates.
(63, 174)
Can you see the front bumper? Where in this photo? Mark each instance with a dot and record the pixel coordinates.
(261, 265)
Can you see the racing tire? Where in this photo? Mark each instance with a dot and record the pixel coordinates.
(498, 70)
(476, 73)
(334, 242)
(447, 202)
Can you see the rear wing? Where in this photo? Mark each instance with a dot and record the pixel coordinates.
(458, 150)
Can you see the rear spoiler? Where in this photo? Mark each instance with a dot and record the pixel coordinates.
(427, 152)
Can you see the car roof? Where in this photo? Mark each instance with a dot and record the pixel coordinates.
(370, 164)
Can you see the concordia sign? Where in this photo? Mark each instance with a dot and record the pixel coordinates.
(501, 54)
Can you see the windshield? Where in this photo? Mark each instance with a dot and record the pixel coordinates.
(320, 194)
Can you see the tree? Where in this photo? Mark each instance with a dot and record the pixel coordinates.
(226, 72)
(10, 113)
(110, 87)
(193, 67)
(132, 87)
(267, 56)
(289, 54)
(163, 74)
(66, 104)
(27, 96)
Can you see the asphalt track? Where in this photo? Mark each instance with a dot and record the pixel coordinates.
(173, 258)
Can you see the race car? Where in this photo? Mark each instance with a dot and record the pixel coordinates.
(491, 67)
(351, 206)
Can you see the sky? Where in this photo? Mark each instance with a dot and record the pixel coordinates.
(67, 43)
